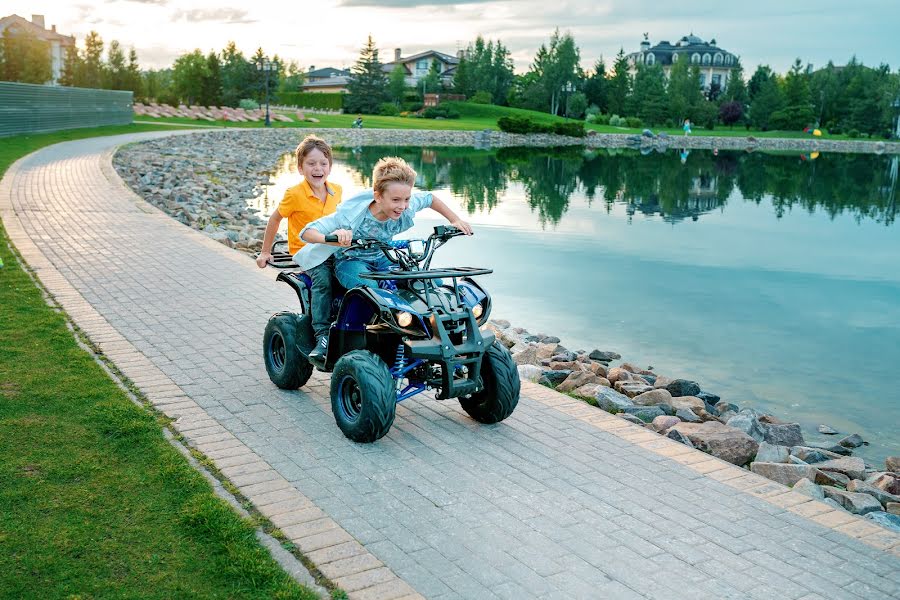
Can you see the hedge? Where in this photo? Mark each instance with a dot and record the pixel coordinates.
(528, 125)
(326, 100)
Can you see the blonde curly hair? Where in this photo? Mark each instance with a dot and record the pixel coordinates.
(392, 169)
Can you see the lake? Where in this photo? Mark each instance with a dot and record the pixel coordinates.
(771, 279)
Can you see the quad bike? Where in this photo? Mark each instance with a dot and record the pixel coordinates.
(417, 331)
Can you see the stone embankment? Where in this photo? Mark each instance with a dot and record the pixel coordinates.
(681, 410)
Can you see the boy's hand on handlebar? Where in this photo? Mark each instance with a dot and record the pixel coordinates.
(462, 226)
(344, 236)
(263, 259)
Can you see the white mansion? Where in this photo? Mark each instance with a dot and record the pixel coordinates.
(715, 64)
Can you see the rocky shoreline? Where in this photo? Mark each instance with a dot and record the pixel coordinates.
(680, 410)
(204, 180)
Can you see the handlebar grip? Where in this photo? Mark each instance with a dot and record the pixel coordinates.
(331, 238)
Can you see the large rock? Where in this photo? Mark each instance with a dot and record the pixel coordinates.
(577, 379)
(528, 356)
(887, 520)
(683, 387)
(831, 447)
(556, 377)
(653, 398)
(888, 482)
(617, 374)
(892, 463)
(631, 419)
(852, 441)
(631, 388)
(645, 413)
(854, 468)
(604, 356)
(712, 399)
(747, 421)
(530, 372)
(783, 434)
(833, 478)
(783, 473)
(597, 369)
(893, 508)
(664, 422)
(813, 455)
(687, 415)
(728, 443)
(771, 453)
(858, 504)
(864, 488)
(692, 403)
(611, 400)
(808, 488)
(679, 437)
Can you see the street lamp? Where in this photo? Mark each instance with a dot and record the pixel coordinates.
(896, 106)
(266, 65)
(568, 88)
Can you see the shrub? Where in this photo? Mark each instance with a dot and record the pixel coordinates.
(248, 104)
(440, 112)
(569, 129)
(326, 100)
(854, 133)
(633, 122)
(388, 109)
(481, 97)
(616, 121)
(412, 106)
(601, 119)
(731, 112)
(592, 111)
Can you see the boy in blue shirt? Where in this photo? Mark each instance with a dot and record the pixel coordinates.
(380, 213)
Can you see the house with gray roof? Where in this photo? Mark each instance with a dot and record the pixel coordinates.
(14, 24)
(715, 64)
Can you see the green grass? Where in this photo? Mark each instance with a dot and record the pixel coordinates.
(94, 502)
(14, 147)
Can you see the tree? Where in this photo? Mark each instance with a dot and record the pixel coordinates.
(735, 89)
(684, 93)
(367, 88)
(797, 112)
(188, 74)
(133, 75)
(619, 86)
(431, 83)
(768, 99)
(596, 86)
(116, 71)
(25, 58)
(484, 67)
(397, 83)
(760, 76)
(292, 78)
(731, 112)
(72, 67)
(557, 68)
(211, 84)
(576, 104)
(238, 76)
(91, 75)
(649, 95)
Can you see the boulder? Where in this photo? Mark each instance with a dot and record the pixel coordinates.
(597, 369)
(631, 388)
(832, 478)
(577, 379)
(664, 422)
(587, 390)
(679, 437)
(707, 416)
(604, 356)
(813, 455)
(653, 398)
(721, 406)
(892, 463)
(886, 520)
(691, 403)
(808, 488)
(771, 453)
(783, 434)
(893, 508)
(528, 356)
(546, 350)
(687, 415)
(662, 381)
(864, 488)
(888, 482)
(683, 387)
(747, 422)
(560, 365)
(854, 468)
(617, 374)
(836, 448)
(556, 377)
(530, 372)
(783, 473)
(858, 504)
(712, 399)
(852, 441)
(826, 430)
(611, 400)
(631, 419)
(644, 413)
(796, 461)
(567, 356)
(728, 443)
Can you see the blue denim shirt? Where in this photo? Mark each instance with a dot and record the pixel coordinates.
(349, 214)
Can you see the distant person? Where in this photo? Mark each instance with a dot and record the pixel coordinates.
(311, 199)
(357, 124)
(687, 127)
(684, 155)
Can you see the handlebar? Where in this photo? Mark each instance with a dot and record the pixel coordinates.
(407, 260)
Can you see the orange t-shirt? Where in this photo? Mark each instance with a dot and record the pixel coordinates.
(300, 207)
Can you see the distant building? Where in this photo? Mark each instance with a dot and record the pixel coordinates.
(715, 64)
(328, 79)
(58, 42)
(416, 67)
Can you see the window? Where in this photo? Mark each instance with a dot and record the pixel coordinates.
(422, 65)
(703, 80)
(674, 57)
(695, 59)
(650, 58)
(729, 59)
(717, 80)
(707, 59)
(717, 59)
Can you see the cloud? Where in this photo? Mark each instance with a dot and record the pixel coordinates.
(218, 15)
(410, 3)
(154, 2)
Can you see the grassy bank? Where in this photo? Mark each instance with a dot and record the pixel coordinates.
(94, 502)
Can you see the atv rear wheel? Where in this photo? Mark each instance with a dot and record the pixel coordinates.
(500, 395)
(363, 398)
(286, 365)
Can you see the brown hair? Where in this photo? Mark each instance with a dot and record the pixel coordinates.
(310, 143)
(392, 169)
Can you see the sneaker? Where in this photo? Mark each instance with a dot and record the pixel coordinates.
(317, 356)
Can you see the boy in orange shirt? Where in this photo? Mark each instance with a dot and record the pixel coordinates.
(311, 199)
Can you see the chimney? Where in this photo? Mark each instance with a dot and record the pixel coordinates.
(53, 28)
(396, 54)
(311, 68)
(460, 54)
(38, 20)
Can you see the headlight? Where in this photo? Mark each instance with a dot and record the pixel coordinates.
(404, 319)
(478, 310)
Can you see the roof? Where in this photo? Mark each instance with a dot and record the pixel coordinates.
(689, 44)
(328, 72)
(445, 58)
(327, 82)
(21, 23)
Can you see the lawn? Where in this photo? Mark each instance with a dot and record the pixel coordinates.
(94, 502)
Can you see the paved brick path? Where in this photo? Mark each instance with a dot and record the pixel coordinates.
(559, 501)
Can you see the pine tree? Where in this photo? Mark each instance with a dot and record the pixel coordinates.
(115, 73)
(596, 88)
(648, 98)
(91, 75)
(133, 75)
(397, 84)
(619, 86)
(211, 87)
(367, 88)
(26, 58)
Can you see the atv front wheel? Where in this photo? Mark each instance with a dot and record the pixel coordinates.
(500, 395)
(286, 365)
(363, 399)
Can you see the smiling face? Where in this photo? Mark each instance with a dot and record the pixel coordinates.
(315, 167)
(390, 203)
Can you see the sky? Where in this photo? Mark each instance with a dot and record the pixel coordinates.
(325, 33)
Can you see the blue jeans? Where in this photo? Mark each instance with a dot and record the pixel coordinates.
(348, 270)
(320, 311)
